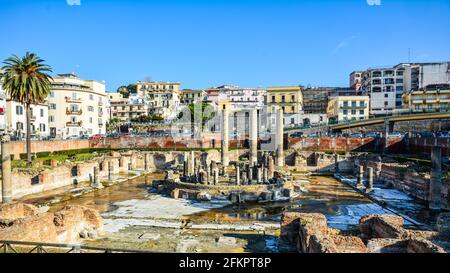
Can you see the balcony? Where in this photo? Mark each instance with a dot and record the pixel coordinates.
(100, 103)
(356, 107)
(100, 114)
(74, 124)
(72, 100)
(33, 118)
(73, 112)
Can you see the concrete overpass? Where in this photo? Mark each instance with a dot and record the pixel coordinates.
(389, 122)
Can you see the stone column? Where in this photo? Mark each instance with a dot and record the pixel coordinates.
(96, 181)
(146, 162)
(248, 169)
(370, 178)
(360, 178)
(192, 163)
(254, 137)
(259, 175)
(336, 163)
(435, 197)
(280, 136)
(225, 142)
(271, 167)
(265, 175)
(110, 170)
(238, 175)
(216, 176)
(6, 170)
(185, 165)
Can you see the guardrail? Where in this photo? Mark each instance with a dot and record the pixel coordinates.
(34, 247)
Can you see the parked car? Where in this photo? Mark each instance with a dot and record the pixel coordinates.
(356, 135)
(297, 134)
(97, 136)
(373, 135)
(396, 135)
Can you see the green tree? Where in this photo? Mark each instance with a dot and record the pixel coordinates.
(126, 90)
(26, 81)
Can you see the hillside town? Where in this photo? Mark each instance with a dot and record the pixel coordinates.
(78, 108)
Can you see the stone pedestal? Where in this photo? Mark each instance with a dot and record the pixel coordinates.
(435, 198)
(6, 171)
(192, 163)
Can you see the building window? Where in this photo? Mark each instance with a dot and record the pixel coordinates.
(19, 126)
(19, 110)
(345, 103)
(273, 98)
(91, 108)
(293, 98)
(52, 95)
(52, 106)
(90, 120)
(362, 104)
(345, 112)
(42, 113)
(42, 127)
(353, 112)
(361, 112)
(292, 121)
(91, 97)
(293, 109)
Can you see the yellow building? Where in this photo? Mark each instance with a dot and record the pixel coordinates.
(290, 99)
(189, 96)
(432, 98)
(348, 108)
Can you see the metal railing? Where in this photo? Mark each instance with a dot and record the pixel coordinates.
(34, 247)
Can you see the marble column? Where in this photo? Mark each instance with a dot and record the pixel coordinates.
(216, 176)
(225, 141)
(279, 138)
(265, 175)
(254, 137)
(336, 163)
(6, 170)
(259, 175)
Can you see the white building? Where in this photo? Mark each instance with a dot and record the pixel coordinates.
(385, 86)
(242, 98)
(162, 98)
(77, 107)
(17, 122)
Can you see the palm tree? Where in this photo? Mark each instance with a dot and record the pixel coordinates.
(25, 80)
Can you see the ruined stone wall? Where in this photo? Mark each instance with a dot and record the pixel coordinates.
(309, 161)
(66, 226)
(310, 233)
(19, 147)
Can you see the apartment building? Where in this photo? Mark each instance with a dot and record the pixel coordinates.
(189, 96)
(434, 97)
(243, 98)
(16, 122)
(162, 98)
(385, 86)
(77, 107)
(315, 102)
(125, 109)
(288, 98)
(348, 108)
(356, 80)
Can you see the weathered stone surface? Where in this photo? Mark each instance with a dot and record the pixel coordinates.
(310, 224)
(320, 243)
(15, 211)
(65, 226)
(423, 246)
(289, 227)
(387, 246)
(443, 224)
(382, 226)
(348, 244)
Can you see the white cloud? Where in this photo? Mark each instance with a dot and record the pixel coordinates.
(343, 44)
(73, 2)
(374, 2)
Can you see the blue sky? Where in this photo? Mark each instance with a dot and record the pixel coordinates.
(207, 43)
